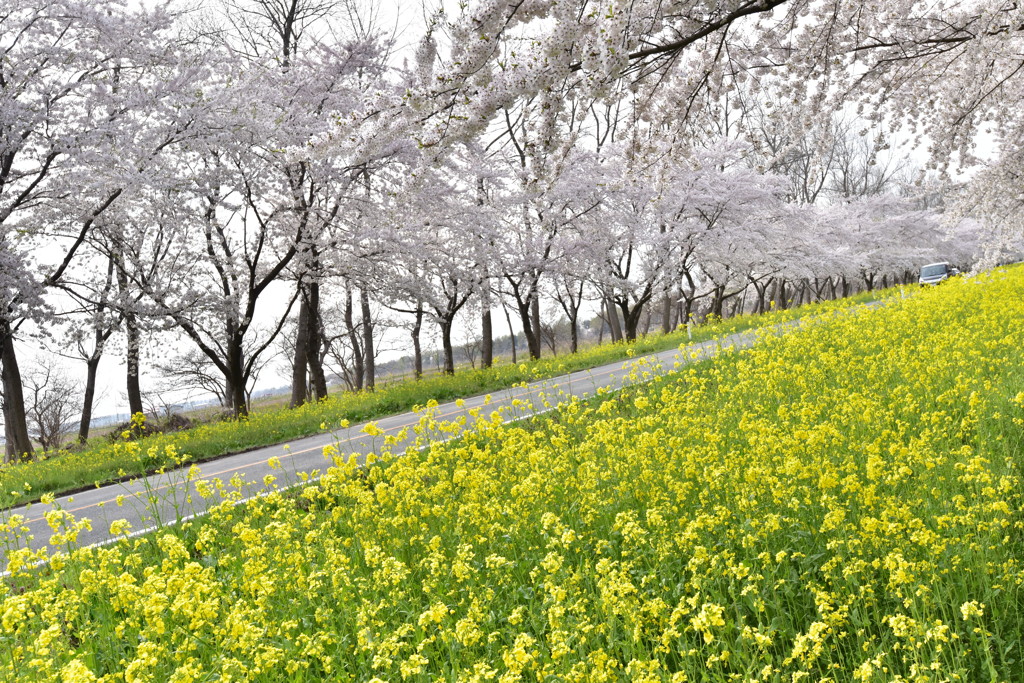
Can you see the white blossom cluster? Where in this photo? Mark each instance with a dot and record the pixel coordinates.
(621, 152)
(947, 72)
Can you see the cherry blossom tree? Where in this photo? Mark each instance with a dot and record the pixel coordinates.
(303, 39)
(433, 261)
(80, 82)
(20, 297)
(948, 71)
(685, 219)
(543, 200)
(85, 325)
(232, 240)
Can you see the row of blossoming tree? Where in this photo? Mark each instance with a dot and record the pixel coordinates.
(262, 171)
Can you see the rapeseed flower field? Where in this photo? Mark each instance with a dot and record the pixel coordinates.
(840, 503)
(103, 461)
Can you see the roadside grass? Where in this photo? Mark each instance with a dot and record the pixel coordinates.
(103, 461)
(842, 503)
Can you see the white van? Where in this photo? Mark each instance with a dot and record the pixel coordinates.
(934, 273)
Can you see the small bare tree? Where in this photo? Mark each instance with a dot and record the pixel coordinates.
(190, 371)
(471, 347)
(193, 370)
(549, 334)
(344, 348)
(159, 405)
(53, 404)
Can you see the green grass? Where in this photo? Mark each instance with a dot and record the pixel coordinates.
(103, 462)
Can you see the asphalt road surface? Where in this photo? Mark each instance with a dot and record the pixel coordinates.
(170, 498)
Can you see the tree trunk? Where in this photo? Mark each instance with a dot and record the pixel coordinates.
(511, 333)
(531, 333)
(716, 302)
(629, 328)
(487, 339)
(10, 451)
(666, 312)
(300, 359)
(92, 367)
(315, 355)
(417, 350)
(535, 349)
(19, 444)
(631, 319)
(574, 331)
(353, 337)
(236, 378)
(613, 321)
(446, 346)
(528, 308)
(869, 281)
(759, 290)
(133, 385)
(369, 367)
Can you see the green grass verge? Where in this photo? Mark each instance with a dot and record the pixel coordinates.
(103, 462)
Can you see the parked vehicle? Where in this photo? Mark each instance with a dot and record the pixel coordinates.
(934, 273)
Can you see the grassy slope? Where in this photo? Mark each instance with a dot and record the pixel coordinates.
(104, 462)
(842, 503)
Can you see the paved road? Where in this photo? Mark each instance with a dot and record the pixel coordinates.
(169, 498)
